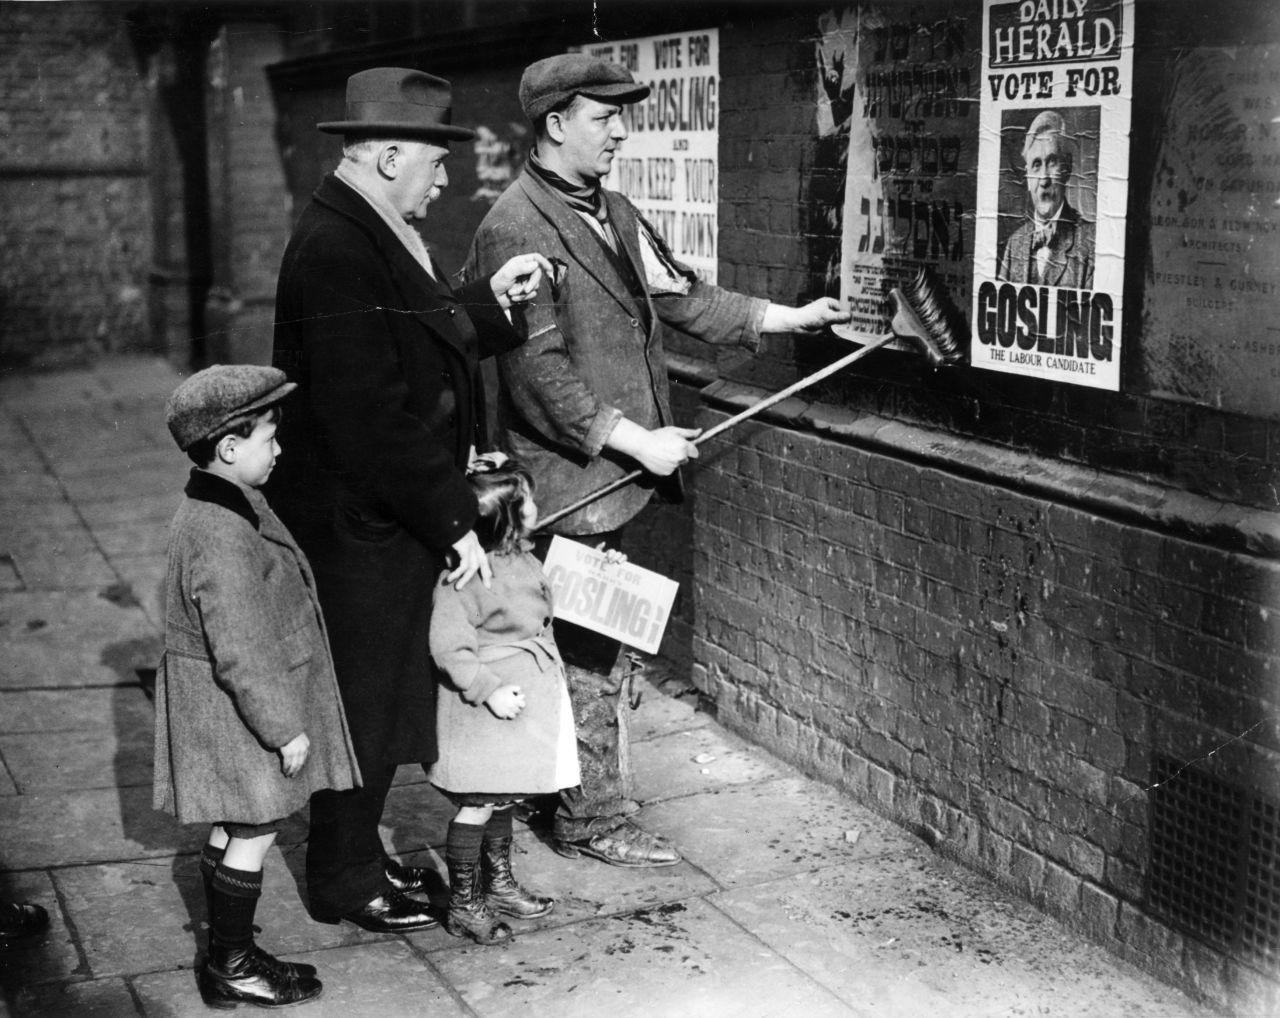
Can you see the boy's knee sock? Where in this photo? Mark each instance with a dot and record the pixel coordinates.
(235, 896)
(499, 825)
(209, 859)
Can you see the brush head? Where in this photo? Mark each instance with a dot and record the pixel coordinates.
(923, 313)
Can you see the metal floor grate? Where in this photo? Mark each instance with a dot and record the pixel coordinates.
(1215, 862)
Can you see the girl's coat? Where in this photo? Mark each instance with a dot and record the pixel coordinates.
(246, 666)
(483, 638)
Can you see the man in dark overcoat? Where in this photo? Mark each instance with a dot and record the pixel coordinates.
(386, 357)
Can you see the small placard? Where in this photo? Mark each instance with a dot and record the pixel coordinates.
(617, 599)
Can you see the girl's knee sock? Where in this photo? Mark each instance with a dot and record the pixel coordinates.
(499, 825)
(463, 840)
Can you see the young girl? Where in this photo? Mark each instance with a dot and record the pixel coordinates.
(504, 724)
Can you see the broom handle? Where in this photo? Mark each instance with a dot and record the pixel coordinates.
(725, 425)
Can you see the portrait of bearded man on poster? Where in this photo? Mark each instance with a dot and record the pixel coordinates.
(1053, 245)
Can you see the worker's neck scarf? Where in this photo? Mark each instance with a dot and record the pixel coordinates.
(662, 272)
(585, 198)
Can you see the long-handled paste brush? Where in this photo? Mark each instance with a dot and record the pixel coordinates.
(920, 317)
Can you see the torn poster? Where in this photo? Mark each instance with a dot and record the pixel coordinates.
(898, 96)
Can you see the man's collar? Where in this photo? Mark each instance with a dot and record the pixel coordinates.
(204, 486)
(406, 234)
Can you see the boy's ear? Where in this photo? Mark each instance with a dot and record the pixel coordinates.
(226, 448)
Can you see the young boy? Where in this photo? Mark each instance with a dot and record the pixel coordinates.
(248, 717)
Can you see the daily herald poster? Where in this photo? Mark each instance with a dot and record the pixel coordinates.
(1053, 167)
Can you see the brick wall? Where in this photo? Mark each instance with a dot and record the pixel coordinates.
(781, 191)
(250, 203)
(74, 208)
(1037, 625)
(991, 668)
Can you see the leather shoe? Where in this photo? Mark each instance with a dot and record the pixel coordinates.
(391, 912)
(541, 812)
(19, 920)
(408, 879)
(232, 976)
(627, 846)
(296, 969)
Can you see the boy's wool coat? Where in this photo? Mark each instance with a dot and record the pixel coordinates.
(246, 666)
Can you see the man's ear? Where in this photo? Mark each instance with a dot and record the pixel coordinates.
(389, 158)
(226, 448)
(555, 127)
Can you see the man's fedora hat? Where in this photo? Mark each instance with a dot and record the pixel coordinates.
(397, 102)
(547, 83)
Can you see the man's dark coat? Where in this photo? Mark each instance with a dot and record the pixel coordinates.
(375, 445)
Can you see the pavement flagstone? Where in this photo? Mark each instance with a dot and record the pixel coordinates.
(793, 899)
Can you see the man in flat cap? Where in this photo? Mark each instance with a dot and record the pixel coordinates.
(584, 400)
(386, 357)
(1054, 247)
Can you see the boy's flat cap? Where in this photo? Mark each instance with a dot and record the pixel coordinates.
(218, 395)
(547, 83)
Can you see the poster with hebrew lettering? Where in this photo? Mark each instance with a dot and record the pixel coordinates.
(897, 109)
(669, 163)
(1053, 180)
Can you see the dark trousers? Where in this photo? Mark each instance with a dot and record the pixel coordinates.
(346, 862)
(598, 678)
(376, 595)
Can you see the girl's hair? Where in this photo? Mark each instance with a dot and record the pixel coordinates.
(501, 489)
